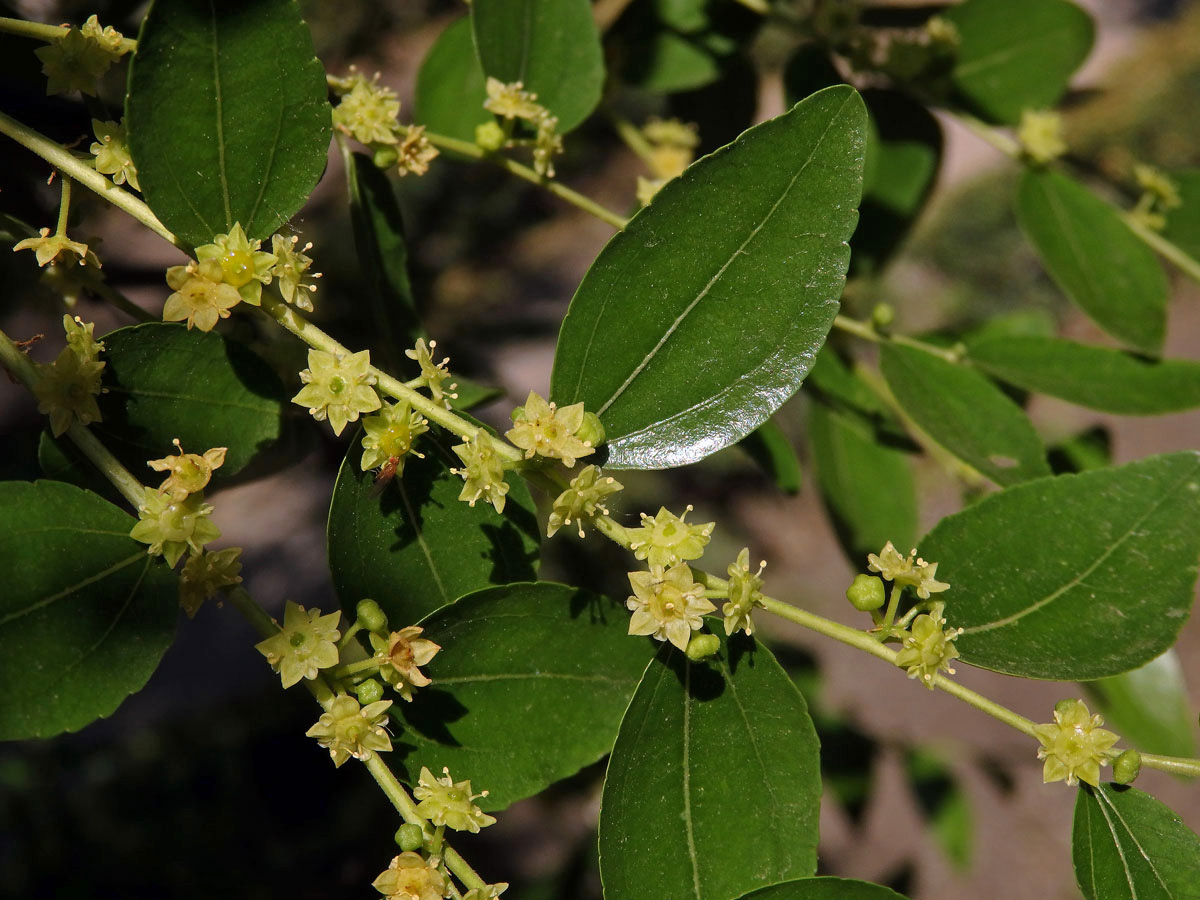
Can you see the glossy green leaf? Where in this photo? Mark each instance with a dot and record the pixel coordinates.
(383, 259)
(667, 63)
(551, 48)
(1017, 54)
(1075, 577)
(832, 383)
(1183, 222)
(1095, 377)
(414, 546)
(703, 316)
(528, 688)
(965, 413)
(718, 762)
(85, 614)
(228, 116)
(167, 382)
(867, 487)
(1128, 846)
(450, 85)
(768, 446)
(824, 888)
(1149, 707)
(1093, 256)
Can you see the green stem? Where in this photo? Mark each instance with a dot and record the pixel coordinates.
(632, 136)
(64, 208)
(348, 635)
(63, 160)
(370, 664)
(1166, 249)
(23, 369)
(867, 332)
(48, 33)
(893, 604)
(1176, 765)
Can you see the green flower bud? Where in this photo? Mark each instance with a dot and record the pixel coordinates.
(882, 316)
(371, 617)
(517, 414)
(489, 136)
(369, 691)
(409, 837)
(384, 156)
(702, 646)
(866, 593)
(592, 430)
(1127, 767)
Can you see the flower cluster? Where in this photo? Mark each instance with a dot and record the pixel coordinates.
(200, 295)
(908, 571)
(1160, 195)
(482, 471)
(444, 801)
(67, 388)
(1074, 745)
(205, 574)
(346, 729)
(582, 500)
(745, 593)
(389, 435)
(370, 113)
(290, 271)
(111, 150)
(171, 527)
(667, 604)
(338, 387)
(545, 429)
(410, 876)
(666, 539)
(671, 147)
(77, 60)
(1040, 135)
(513, 103)
(433, 375)
(927, 647)
(399, 654)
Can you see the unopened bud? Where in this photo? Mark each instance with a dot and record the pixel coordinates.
(1127, 767)
(371, 616)
(489, 136)
(866, 593)
(702, 646)
(592, 429)
(369, 691)
(409, 837)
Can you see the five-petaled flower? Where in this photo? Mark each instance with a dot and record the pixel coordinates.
(927, 647)
(67, 390)
(745, 593)
(190, 472)
(667, 604)
(667, 539)
(911, 570)
(390, 435)
(546, 429)
(399, 655)
(1074, 745)
(244, 267)
(201, 296)
(345, 729)
(410, 876)
(338, 387)
(433, 375)
(444, 801)
(206, 573)
(173, 526)
(482, 471)
(305, 644)
(582, 500)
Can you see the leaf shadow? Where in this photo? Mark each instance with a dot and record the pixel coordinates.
(430, 715)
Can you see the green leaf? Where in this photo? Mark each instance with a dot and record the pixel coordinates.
(85, 614)
(1095, 377)
(450, 85)
(551, 48)
(768, 446)
(228, 117)
(703, 316)
(1075, 577)
(528, 688)
(383, 260)
(718, 763)
(414, 546)
(824, 888)
(965, 413)
(667, 63)
(1183, 222)
(833, 384)
(1128, 846)
(1094, 258)
(867, 487)
(1017, 54)
(1149, 706)
(165, 381)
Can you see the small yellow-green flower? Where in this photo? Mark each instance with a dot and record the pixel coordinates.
(201, 297)
(1074, 745)
(415, 153)
(908, 571)
(482, 471)
(547, 144)
(1041, 135)
(488, 892)
(745, 593)
(1163, 190)
(667, 539)
(67, 390)
(107, 38)
(582, 500)
(927, 647)
(433, 375)
(172, 526)
(667, 604)
(111, 150)
(368, 111)
(244, 267)
(338, 387)
(190, 472)
(347, 730)
(672, 146)
(942, 31)
(206, 573)
(444, 801)
(399, 655)
(512, 101)
(306, 644)
(289, 270)
(410, 876)
(48, 247)
(81, 339)
(544, 429)
(390, 435)
(74, 62)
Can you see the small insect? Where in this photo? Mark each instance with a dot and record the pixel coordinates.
(386, 473)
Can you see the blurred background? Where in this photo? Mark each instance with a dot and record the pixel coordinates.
(203, 782)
